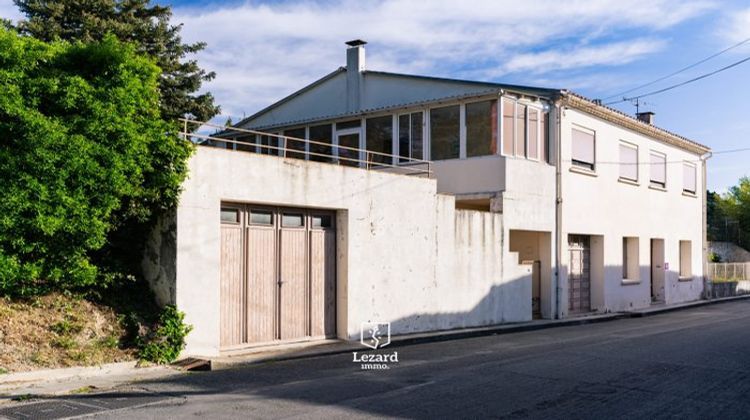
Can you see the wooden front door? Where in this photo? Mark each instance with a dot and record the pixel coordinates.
(278, 275)
(579, 274)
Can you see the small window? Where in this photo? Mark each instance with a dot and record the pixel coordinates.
(521, 130)
(630, 262)
(445, 132)
(322, 220)
(584, 144)
(628, 161)
(410, 136)
(230, 215)
(292, 220)
(686, 260)
(689, 178)
(295, 140)
(658, 169)
(533, 141)
(544, 143)
(261, 217)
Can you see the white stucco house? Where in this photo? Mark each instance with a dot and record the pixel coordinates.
(431, 204)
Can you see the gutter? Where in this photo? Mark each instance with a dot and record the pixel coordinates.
(558, 107)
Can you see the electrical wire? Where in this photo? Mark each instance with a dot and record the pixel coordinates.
(680, 70)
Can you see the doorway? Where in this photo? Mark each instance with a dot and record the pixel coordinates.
(579, 274)
(657, 271)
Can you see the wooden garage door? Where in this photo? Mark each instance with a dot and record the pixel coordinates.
(278, 275)
(579, 274)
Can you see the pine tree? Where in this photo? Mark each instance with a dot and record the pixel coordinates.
(136, 21)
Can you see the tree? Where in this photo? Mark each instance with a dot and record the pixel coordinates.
(133, 21)
(736, 205)
(84, 152)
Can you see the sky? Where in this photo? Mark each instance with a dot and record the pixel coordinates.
(262, 51)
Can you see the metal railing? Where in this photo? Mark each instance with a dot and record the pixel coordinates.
(339, 154)
(728, 271)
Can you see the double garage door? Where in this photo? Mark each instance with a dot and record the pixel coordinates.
(278, 274)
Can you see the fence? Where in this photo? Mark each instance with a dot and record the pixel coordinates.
(729, 271)
(305, 149)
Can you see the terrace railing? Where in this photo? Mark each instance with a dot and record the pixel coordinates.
(299, 148)
(729, 271)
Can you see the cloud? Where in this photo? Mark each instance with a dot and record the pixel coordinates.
(8, 10)
(737, 26)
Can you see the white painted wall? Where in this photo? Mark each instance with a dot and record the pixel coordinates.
(405, 254)
(601, 205)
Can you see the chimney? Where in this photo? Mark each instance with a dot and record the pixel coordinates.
(647, 117)
(355, 65)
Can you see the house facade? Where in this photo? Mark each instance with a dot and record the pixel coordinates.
(431, 204)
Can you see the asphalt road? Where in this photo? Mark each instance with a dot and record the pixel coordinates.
(687, 364)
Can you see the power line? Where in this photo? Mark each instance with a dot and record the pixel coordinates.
(695, 79)
(680, 70)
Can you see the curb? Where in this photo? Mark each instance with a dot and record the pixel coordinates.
(680, 307)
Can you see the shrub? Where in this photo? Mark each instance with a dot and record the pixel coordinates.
(165, 342)
(714, 257)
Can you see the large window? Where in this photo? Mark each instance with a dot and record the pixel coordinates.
(628, 161)
(410, 144)
(524, 131)
(445, 132)
(630, 263)
(481, 128)
(379, 139)
(686, 260)
(584, 147)
(323, 134)
(689, 178)
(658, 169)
(295, 142)
(246, 143)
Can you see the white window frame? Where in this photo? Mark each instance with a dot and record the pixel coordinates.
(695, 176)
(347, 131)
(501, 127)
(666, 172)
(637, 162)
(585, 130)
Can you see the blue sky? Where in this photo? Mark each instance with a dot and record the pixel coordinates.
(263, 51)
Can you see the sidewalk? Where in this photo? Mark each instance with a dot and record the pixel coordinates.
(96, 379)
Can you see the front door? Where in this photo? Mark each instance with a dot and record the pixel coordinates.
(657, 270)
(579, 274)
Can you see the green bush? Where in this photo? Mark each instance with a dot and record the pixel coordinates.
(165, 342)
(714, 257)
(85, 155)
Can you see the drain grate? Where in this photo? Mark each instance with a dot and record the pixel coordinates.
(78, 406)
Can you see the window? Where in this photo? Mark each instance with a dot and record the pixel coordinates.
(296, 143)
(322, 221)
(686, 260)
(481, 128)
(292, 220)
(658, 169)
(379, 139)
(445, 132)
(269, 144)
(583, 148)
(323, 134)
(544, 143)
(509, 113)
(410, 136)
(261, 217)
(628, 161)
(630, 262)
(533, 141)
(348, 124)
(689, 178)
(230, 215)
(520, 130)
(249, 139)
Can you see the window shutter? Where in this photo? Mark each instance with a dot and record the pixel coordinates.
(583, 146)
(689, 177)
(658, 168)
(508, 126)
(628, 162)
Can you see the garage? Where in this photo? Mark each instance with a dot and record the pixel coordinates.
(278, 275)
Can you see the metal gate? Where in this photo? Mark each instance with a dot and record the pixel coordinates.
(278, 274)
(579, 274)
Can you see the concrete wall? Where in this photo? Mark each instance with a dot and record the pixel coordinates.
(598, 204)
(405, 255)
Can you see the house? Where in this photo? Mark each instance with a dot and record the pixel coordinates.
(431, 204)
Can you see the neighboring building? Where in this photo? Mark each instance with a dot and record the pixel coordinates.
(454, 204)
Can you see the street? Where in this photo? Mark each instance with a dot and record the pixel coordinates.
(686, 364)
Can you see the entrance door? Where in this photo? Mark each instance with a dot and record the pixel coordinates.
(349, 138)
(657, 270)
(278, 275)
(579, 275)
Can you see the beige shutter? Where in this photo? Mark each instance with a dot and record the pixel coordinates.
(583, 147)
(658, 168)
(628, 162)
(533, 147)
(689, 177)
(508, 126)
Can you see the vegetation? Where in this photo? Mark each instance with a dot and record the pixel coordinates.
(133, 21)
(85, 157)
(729, 214)
(165, 342)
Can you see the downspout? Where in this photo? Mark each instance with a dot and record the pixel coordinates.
(707, 286)
(558, 203)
